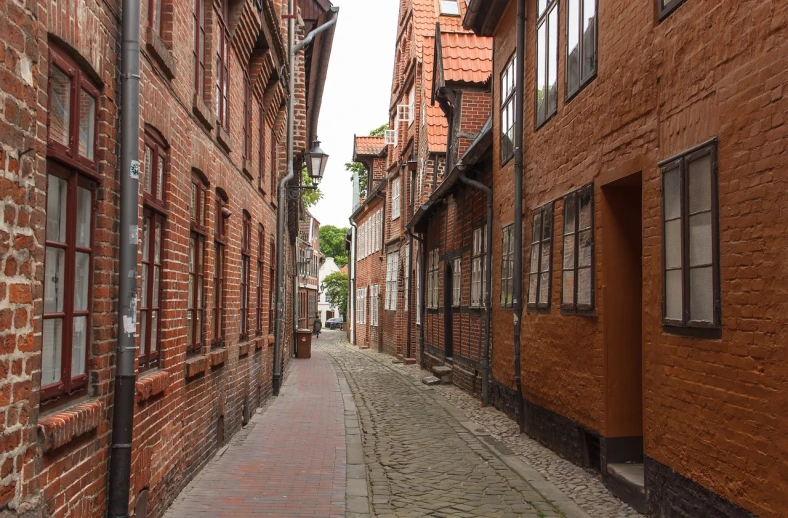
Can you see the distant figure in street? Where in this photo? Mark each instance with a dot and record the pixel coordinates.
(317, 326)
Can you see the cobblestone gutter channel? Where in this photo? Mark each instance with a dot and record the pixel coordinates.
(425, 459)
(435, 452)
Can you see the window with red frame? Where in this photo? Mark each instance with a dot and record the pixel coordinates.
(247, 147)
(222, 69)
(195, 315)
(153, 218)
(246, 252)
(260, 236)
(198, 13)
(68, 267)
(220, 243)
(273, 161)
(271, 288)
(261, 149)
(154, 15)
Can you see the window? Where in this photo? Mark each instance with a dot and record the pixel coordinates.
(479, 267)
(581, 44)
(407, 274)
(541, 248)
(392, 276)
(70, 206)
(154, 15)
(433, 279)
(246, 256)
(272, 152)
(412, 105)
(546, 61)
(508, 115)
(374, 304)
(450, 7)
(418, 290)
(271, 287)
(361, 306)
(507, 267)
(199, 47)
(577, 280)
(152, 181)
(665, 7)
(261, 149)
(218, 271)
(222, 67)
(691, 297)
(247, 115)
(395, 199)
(456, 296)
(195, 315)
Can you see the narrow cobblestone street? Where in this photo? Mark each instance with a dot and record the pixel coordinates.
(353, 435)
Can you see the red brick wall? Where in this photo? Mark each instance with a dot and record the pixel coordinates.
(663, 88)
(370, 270)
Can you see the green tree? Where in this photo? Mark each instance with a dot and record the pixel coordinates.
(310, 197)
(356, 168)
(332, 243)
(336, 291)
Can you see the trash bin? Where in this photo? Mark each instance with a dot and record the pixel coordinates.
(303, 343)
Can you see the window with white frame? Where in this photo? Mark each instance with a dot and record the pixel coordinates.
(508, 101)
(450, 7)
(456, 296)
(433, 279)
(395, 199)
(479, 267)
(361, 306)
(374, 304)
(392, 273)
(412, 105)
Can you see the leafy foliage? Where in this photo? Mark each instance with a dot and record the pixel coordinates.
(336, 291)
(356, 168)
(310, 197)
(332, 243)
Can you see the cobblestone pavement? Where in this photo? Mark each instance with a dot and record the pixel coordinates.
(288, 461)
(584, 487)
(422, 460)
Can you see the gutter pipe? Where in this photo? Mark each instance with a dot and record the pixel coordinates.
(123, 405)
(292, 50)
(487, 281)
(517, 295)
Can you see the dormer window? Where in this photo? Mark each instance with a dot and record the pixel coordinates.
(450, 7)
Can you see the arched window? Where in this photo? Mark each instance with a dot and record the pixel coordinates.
(198, 13)
(195, 316)
(272, 287)
(220, 244)
(246, 253)
(221, 71)
(260, 251)
(70, 205)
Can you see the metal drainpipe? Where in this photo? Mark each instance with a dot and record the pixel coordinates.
(517, 295)
(352, 282)
(123, 405)
(488, 284)
(280, 214)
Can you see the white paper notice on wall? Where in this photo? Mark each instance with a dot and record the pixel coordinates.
(134, 234)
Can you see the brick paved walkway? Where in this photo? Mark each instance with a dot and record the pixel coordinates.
(288, 461)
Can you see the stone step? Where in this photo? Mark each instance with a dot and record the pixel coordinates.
(430, 380)
(627, 482)
(443, 372)
(410, 361)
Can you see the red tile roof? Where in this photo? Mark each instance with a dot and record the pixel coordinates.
(369, 146)
(467, 58)
(426, 13)
(437, 125)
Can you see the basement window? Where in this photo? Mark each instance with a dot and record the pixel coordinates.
(691, 262)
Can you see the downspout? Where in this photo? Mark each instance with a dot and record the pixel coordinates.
(292, 49)
(488, 284)
(125, 380)
(517, 295)
(352, 281)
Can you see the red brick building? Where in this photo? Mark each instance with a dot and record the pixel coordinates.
(309, 261)
(212, 150)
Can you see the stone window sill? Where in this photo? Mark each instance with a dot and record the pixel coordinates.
(197, 365)
(223, 136)
(243, 349)
(218, 357)
(160, 52)
(271, 340)
(203, 112)
(59, 429)
(247, 169)
(151, 385)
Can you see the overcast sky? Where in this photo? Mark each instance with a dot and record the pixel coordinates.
(356, 96)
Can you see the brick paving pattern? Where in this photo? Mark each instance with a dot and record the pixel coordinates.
(288, 461)
(421, 460)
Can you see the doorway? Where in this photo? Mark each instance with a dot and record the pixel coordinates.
(622, 235)
(448, 321)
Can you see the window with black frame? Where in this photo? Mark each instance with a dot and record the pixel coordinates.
(507, 267)
(541, 258)
(581, 44)
(577, 279)
(546, 60)
(508, 103)
(691, 297)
